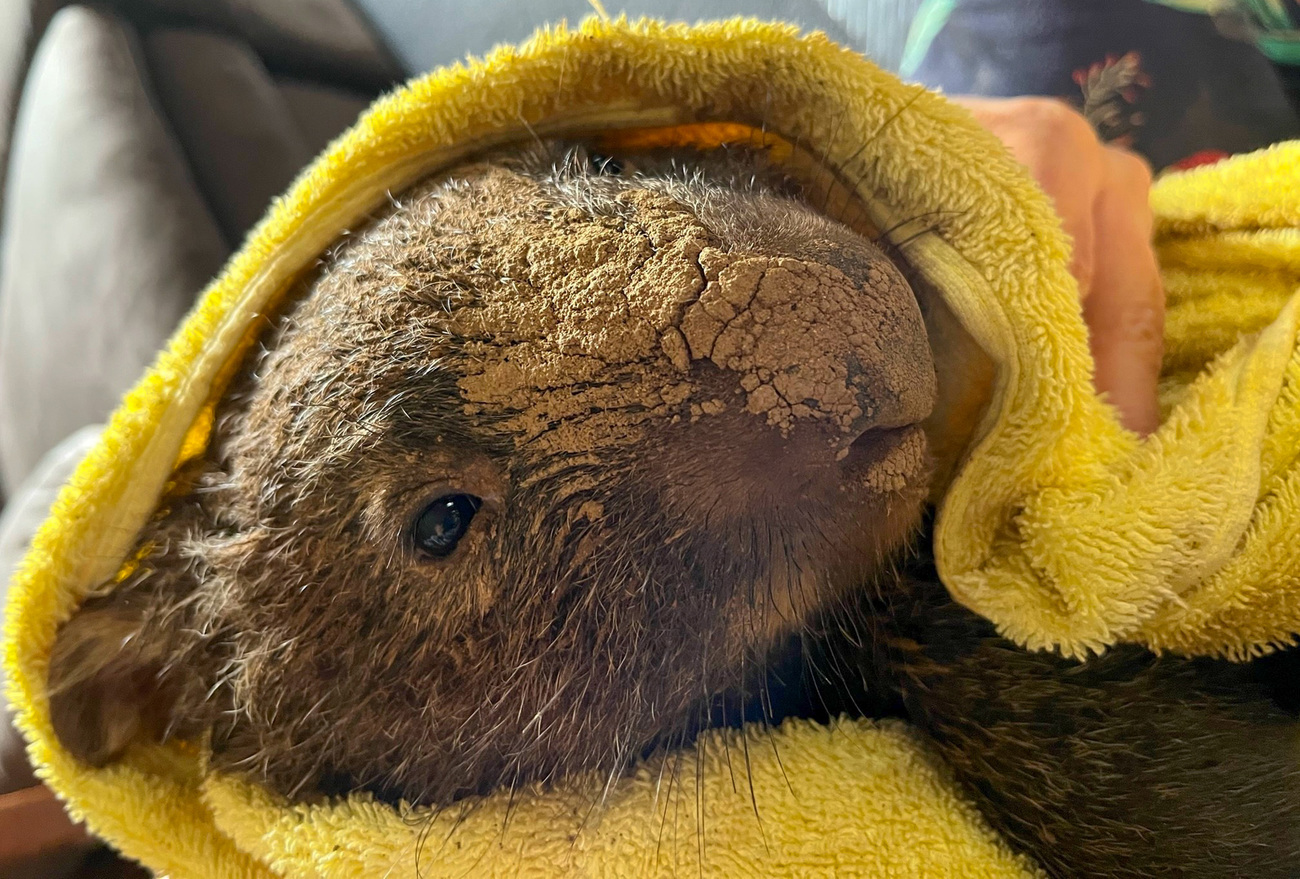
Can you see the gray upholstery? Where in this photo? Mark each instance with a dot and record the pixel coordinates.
(148, 140)
(325, 40)
(243, 144)
(21, 22)
(303, 40)
(320, 112)
(106, 237)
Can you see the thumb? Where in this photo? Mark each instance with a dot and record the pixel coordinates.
(1125, 311)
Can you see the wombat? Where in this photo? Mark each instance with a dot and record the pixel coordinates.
(563, 452)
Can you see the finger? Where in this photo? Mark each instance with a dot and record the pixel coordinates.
(1067, 161)
(1075, 204)
(1125, 313)
(1061, 152)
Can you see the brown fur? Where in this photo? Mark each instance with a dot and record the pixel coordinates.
(626, 562)
(1128, 765)
(689, 406)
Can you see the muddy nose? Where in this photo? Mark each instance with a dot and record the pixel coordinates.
(830, 334)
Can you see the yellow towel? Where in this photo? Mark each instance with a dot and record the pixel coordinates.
(1057, 524)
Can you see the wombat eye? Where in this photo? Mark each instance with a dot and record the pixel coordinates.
(441, 525)
(605, 165)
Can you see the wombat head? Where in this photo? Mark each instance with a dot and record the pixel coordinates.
(555, 449)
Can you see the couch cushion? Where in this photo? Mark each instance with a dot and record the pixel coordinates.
(243, 144)
(317, 38)
(324, 40)
(106, 238)
(21, 22)
(322, 113)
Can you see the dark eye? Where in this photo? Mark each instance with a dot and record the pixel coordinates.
(606, 165)
(441, 525)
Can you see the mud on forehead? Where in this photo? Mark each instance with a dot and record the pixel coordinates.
(580, 297)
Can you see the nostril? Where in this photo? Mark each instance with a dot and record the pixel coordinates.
(894, 398)
(880, 445)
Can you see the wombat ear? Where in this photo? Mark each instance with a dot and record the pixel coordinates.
(106, 681)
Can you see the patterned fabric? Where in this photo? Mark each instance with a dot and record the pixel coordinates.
(1166, 82)
(1274, 25)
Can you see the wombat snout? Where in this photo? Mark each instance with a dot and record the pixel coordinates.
(813, 374)
(809, 356)
(813, 342)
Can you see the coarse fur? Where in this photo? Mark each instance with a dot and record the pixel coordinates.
(689, 406)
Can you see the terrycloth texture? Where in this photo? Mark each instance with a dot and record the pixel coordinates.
(1058, 524)
(855, 799)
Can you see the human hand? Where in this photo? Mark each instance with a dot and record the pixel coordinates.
(1101, 195)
